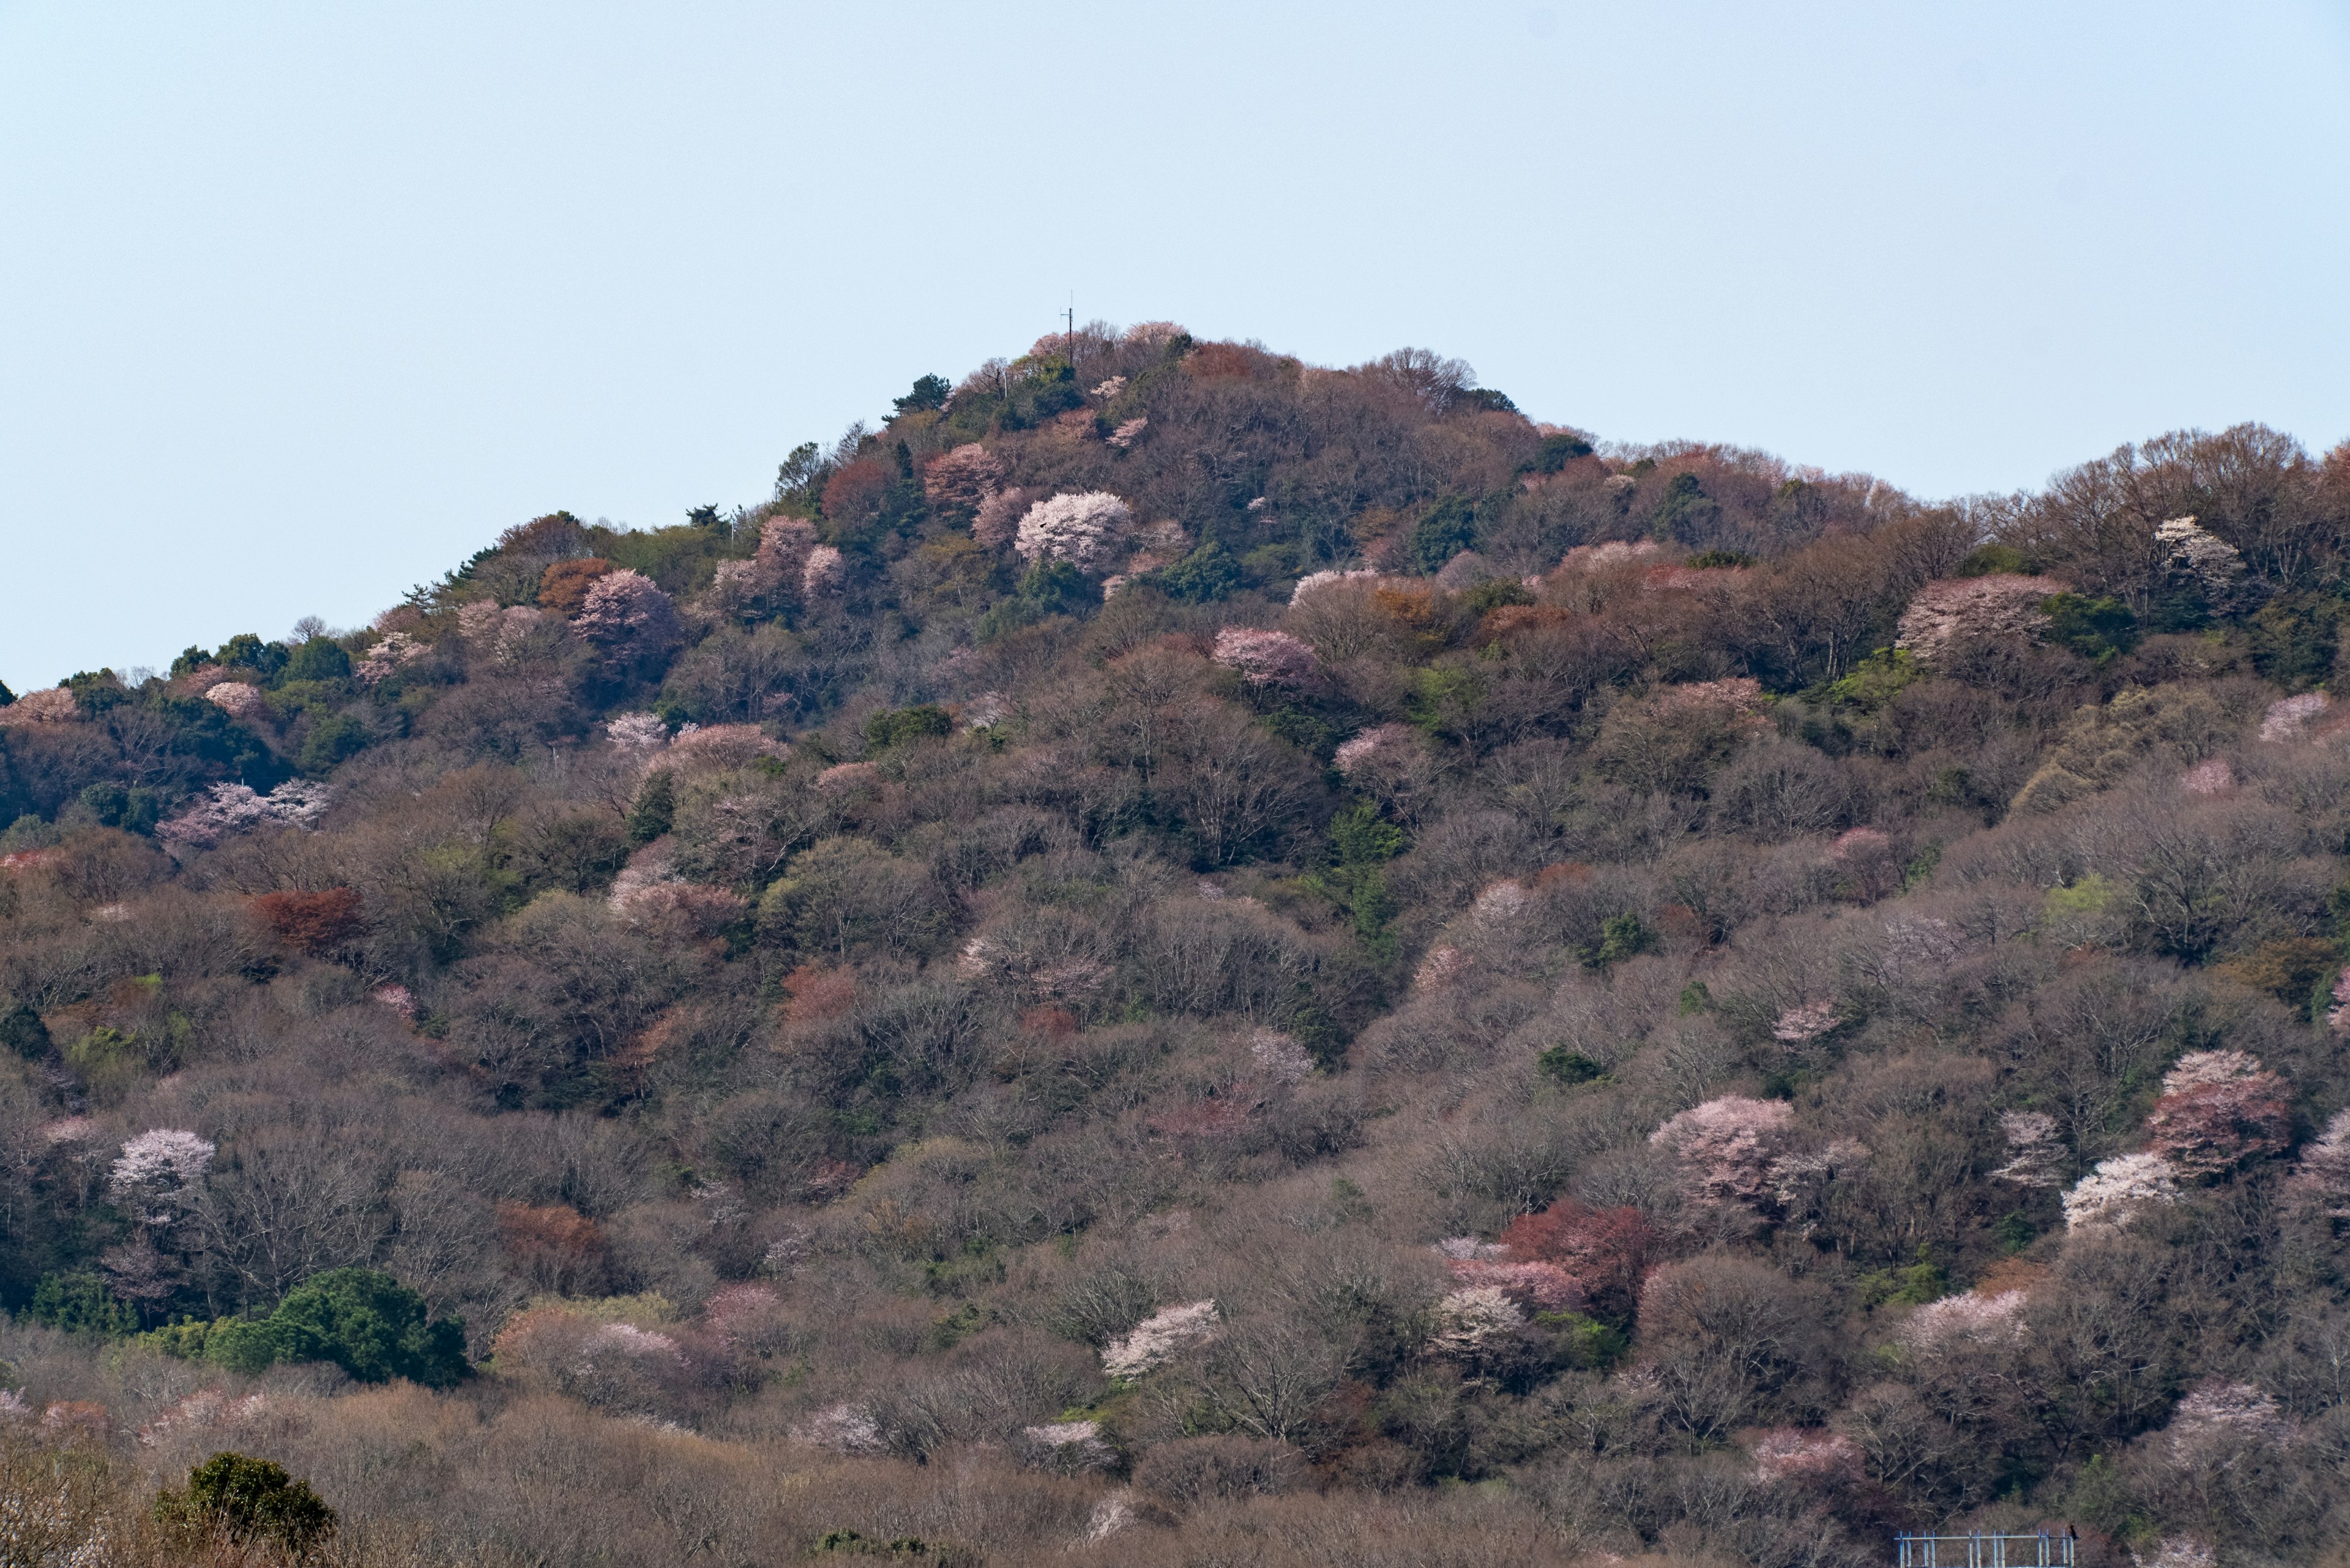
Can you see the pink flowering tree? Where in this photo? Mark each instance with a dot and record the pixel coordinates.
(628, 617)
(1726, 1148)
(2319, 1185)
(228, 809)
(2220, 1110)
(1084, 529)
(1394, 765)
(961, 480)
(998, 517)
(823, 573)
(1968, 1320)
(1265, 658)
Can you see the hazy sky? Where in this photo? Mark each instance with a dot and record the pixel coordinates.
(302, 303)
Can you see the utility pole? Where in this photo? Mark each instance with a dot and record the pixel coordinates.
(1073, 332)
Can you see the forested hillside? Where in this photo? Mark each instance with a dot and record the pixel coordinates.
(1177, 957)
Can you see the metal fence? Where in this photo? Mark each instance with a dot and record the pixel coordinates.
(2044, 1549)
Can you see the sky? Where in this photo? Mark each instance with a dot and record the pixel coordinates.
(301, 305)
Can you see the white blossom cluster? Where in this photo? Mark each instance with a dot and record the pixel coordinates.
(395, 649)
(2289, 717)
(2118, 1190)
(1153, 1341)
(2193, 553)
(157, 1173)
(1968, 1319)
(228, 809)
(1265, 658)
(237, 699)
(1469, 1323)
(1084, 528)
(2036, 1154)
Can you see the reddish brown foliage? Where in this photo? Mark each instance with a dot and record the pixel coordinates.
(556, 1246)
(1606, 1248)
(1222, 361)
(856, 492)
(313, 923)
(1052, 1022)
(818, 993)
(563, 589)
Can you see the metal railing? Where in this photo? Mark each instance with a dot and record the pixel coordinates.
(2041, 1549)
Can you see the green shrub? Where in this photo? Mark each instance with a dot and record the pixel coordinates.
(362, 1320)
(95, 691)
(1569, 1066)
(22, 1031)
(370, 1325)
(333, 739)
(897, 726)
(655, 809)
(1559, 451)
(79, 1304)
(319, 659)
(1994, 560)
(132, 809)
(1209, 573)
(247, 1500)
(1443, 531)
(2097, 628)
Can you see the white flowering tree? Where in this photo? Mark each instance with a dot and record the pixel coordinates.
(1265, 658)
(1154, 1341)
(1084, 529)
(2118, 1190)
(158, 1175)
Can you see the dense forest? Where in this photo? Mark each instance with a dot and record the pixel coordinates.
(1177, 957)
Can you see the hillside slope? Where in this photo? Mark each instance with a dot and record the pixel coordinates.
(1175, 951)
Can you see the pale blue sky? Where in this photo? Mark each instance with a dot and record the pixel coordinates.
(301, 303)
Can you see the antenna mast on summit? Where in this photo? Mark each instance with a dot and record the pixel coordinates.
(1073, 332)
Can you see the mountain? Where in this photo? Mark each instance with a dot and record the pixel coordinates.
(1179, 957)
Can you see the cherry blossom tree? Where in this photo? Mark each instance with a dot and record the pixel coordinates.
(394, 649)
(2194, 555)
(1999, 607)
(1972, 1319)
(1726, 1148)
(1265, 658)
(2288, 718)
(2118, 1190)
(2219, 1110)
(961, 480)
(823, 573)
(160, 1173)
(1470, 1323)
(1156, 1339)
(228, 809)
(1538, 1286)
(1805, 1453)
(2036, 1151)
(2320, 1183)
(1395, 764)
(1084, 528)
(628, 616)
(1314, 582)
(239, 699)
